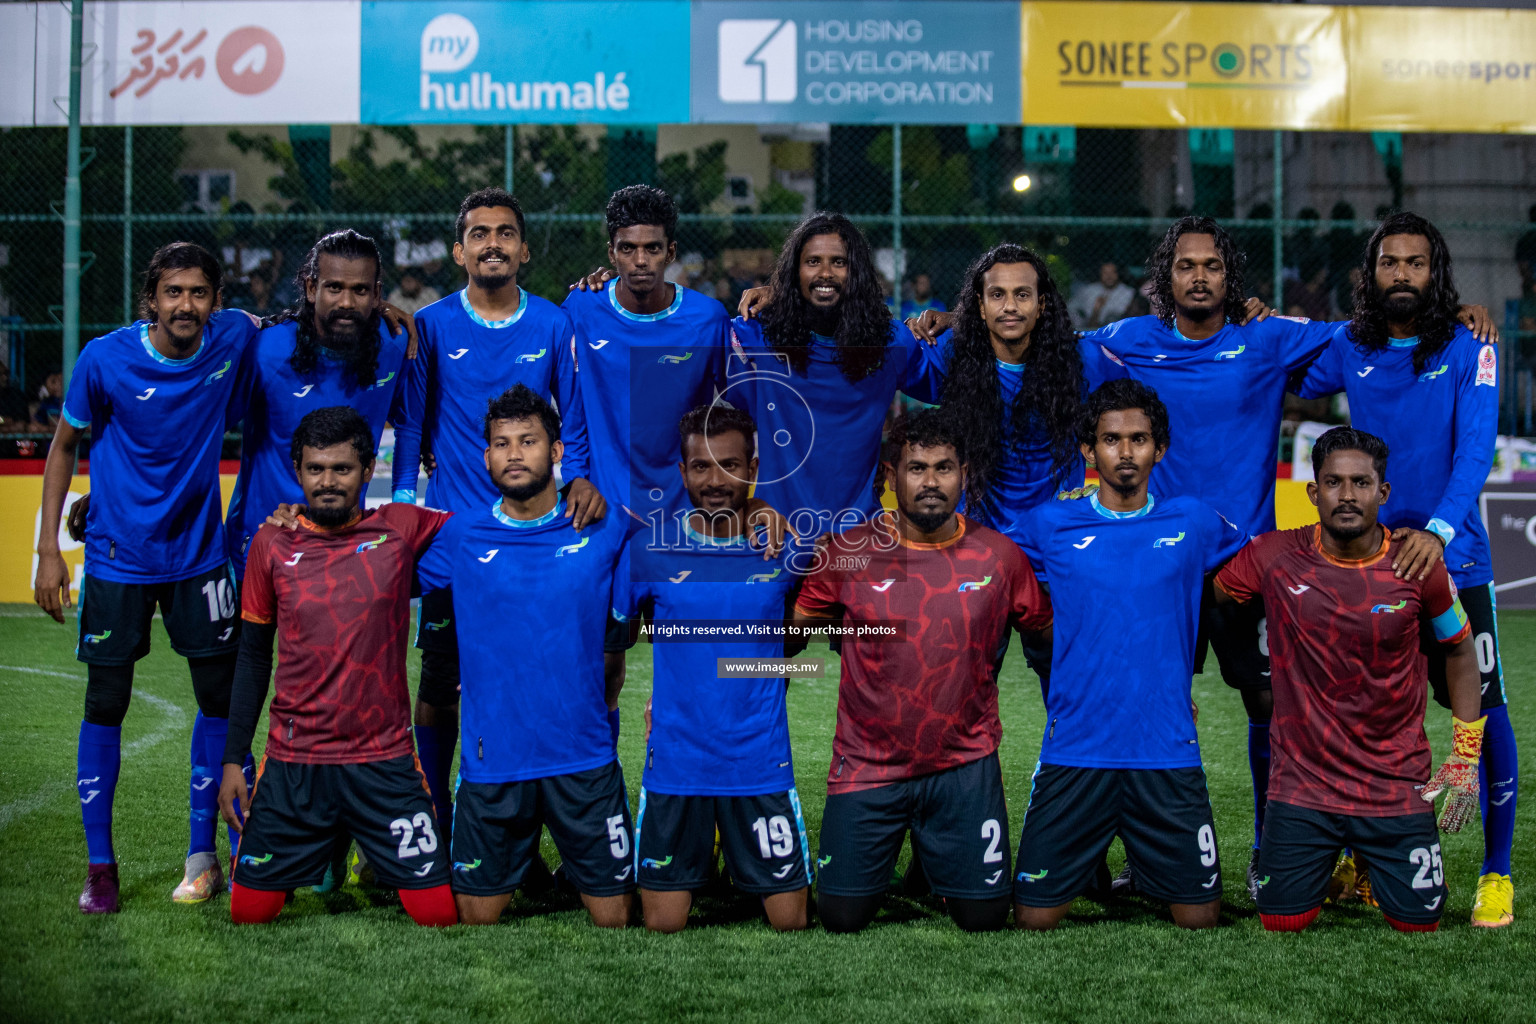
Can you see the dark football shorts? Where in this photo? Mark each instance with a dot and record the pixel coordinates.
(616, 637)
(201, 614)
(1301, 846)
(959, 824)
(1239, 636)
(763, 838)
(1482, 616)
(496, 832)
(1162, 815)
(435, 630)
(300, 811)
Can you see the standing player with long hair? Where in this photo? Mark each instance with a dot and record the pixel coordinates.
(1424, 384)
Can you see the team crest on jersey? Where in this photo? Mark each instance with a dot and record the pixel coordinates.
(1388, 609)
(1168, 542)
(369, 545)
(216, 374)
(974, 584)
(1487, 367)
(1432, 374)
(383, 380)
(532, 357)
(674, 360)
(1231, 353)
(764, 577)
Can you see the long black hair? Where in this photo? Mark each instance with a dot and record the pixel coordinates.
(1160, 268)
(1436, 320)
(363, 358)
(1049, 396)
(864, 321)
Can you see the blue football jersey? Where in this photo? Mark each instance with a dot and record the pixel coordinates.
(462, 363)
(712, 736)
(1125, 589)
(530, 603)
(276, 399)
(818, 433)
(1440, 428)
(639, 373)
(157, 429)
(1225, 396)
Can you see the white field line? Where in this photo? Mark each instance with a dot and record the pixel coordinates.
(172, 718)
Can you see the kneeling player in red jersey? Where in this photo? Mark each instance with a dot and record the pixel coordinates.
(336, 592)
(917, 723)
(1348, 736)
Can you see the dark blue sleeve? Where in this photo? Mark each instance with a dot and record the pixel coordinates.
(1326, 374)
(1475, 431)
(408, 413)
(1219, 539)
(576, 464)
(1297, 341)
(85, 393)
(434, 569)
(923, 372)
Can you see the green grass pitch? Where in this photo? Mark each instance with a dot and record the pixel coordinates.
(356, 957)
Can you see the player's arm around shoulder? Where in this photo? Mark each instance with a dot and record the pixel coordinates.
(1239, 577)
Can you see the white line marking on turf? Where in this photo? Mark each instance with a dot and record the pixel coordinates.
(172, 718)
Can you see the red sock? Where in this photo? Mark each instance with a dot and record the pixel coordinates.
(1288, 922)
(254, 906)
(1404, 926)
(431, 908)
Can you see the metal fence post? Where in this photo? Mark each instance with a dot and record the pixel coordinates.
(72, 197)
(1276, 242)
(898, 268)
(509, 147)
(128, 225)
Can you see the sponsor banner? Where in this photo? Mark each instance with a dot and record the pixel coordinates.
(1208, 65)
(914, 62)
(1440, 70)
(235, 62)
(515, 63)
(1198, 65)
(1509, 512)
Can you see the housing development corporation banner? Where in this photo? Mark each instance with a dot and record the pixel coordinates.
(1219, 65)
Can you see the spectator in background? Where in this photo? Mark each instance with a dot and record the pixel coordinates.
(1308, 296)
(1304, 250)
(922, 298)
(1525, 258)
(50, 401)
(261, 299)
(1345, 245)
(1096, 303)
(15, 417)
(412, 293)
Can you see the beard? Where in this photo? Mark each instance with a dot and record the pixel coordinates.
(1345, 534)
(329, 517)
(1401, 303)
(522, 492)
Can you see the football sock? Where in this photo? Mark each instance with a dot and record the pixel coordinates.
(1288, 922)
(203, 794)
(434, 746)
(1258, 767)
(97, 762)
(613, 725)
(253, 906)
(1500, 784)
(430, 908)
(1404, 926)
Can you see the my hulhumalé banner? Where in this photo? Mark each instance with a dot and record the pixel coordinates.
(1292, 66)
(1196, 65)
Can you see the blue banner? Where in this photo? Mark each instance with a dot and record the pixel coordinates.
(525, 61)
(855, 62)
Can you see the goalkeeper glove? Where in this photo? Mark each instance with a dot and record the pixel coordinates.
(1457, 777)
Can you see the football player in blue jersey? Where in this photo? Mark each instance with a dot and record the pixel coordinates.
(475, 344)
(537, 748)
(333, 348)
(717, 758)
(1429, 388)
(1129, 569)
(155, 395)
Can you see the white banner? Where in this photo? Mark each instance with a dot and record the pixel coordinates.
(231, 62)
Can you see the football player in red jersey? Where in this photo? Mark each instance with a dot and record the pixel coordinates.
(1350, 755)
(917, 724)
(336, 594)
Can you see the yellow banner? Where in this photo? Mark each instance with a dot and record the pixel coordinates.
(21, 500)
(1200, 65)
(1433, 69)
(1164, 65)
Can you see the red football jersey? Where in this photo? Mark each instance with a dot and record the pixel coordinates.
(1349, 678)
(927, 702)
(342, 603)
